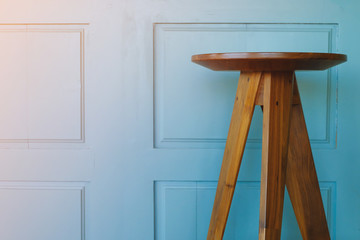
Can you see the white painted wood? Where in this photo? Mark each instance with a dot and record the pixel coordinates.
(43, 85)
(45, 11)
(46, 165)
(54, 84)
(13, 84)
(103, 140)
(32, 211)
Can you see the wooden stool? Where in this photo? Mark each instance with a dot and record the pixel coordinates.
(268, 79)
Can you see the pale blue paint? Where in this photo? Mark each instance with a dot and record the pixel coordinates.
(126, 97)
(192, 110)
(193, 104)
(183, 210)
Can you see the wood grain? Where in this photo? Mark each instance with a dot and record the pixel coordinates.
(239, 127)
(278, 91)
(259, 100)
(269, 61)
(302, 182)
(267, 79)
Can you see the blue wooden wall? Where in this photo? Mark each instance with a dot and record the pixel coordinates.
(192, 110)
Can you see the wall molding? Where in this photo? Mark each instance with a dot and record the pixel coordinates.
(77, 28)
(162, 140)
(162, 188)
(57, 186)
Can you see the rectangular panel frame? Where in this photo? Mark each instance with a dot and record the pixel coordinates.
(79, 28)
(160, 187)
(160, 140)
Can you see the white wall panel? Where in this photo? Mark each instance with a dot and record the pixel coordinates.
(45, 11)
(46, 165)
(193, 105)
(41, 211)
(42, 78)
(191, 202)
(13, 84)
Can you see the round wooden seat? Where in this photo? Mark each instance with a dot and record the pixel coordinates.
(268, 61)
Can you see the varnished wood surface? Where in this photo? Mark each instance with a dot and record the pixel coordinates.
(269, 61)
(260, 94)
(278, 92)
(234, 149)
(302, 182)
(267, 79)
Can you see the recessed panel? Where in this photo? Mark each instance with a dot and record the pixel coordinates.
(54, 85)
(193, 105)
(183, 211)
(41, 213)
(13, 90)
(41, 96)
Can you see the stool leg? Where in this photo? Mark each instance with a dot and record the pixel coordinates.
(302, 182)
(239, 127)
(277, 100)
